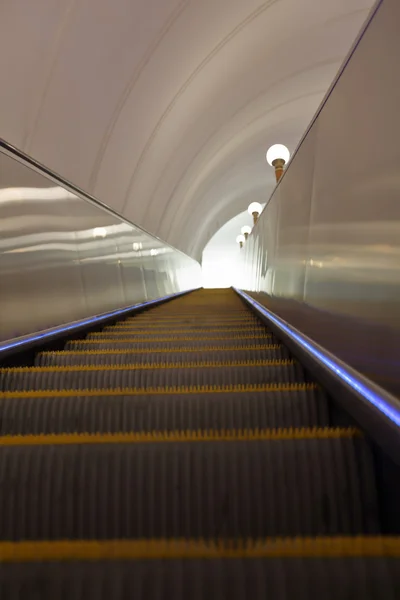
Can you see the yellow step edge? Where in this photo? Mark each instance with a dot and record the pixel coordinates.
(151, 366)
(170, 549)
(160, 350)
(154, 321)
(132, 340)
(167, 390)
(182, 314)
(153, 325)
(224, 435)
(182, 329)
(223, 318)
(148, 334)
(244, 318)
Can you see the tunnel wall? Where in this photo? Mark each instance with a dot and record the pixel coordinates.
(325, 253)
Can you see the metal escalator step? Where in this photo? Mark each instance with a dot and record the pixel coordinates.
(260, 332)
(142, 375)
(208, 314)
(195, 326)
(149, 344)
(163, 412)
(187, 389)
(194, 322)
(202, 321)
(318, 482)
(180, 329)
(281, 578)
(104, 357)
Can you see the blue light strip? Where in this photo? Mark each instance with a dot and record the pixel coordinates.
(27, 340)
(387, 404)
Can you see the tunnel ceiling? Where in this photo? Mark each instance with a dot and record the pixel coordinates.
(164, 109)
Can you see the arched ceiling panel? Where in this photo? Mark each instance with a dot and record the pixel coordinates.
(163, 109)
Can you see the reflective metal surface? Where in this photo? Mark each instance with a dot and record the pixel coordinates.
(64, 258)
(325, 253)
(375, 410)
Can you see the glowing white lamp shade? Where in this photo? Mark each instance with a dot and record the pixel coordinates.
(240, 240)
(254, 209)
(246, 230)
(277, 152)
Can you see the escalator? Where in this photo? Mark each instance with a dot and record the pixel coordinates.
(183, 452)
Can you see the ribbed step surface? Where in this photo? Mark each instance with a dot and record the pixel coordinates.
(200, 335)
(175, 331)
(307, 573)
(188, 489)
(132, 343)
(170, 412)
(169, 374)
(126, 357)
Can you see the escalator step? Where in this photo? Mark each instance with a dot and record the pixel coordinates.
(176, 330)
(142, 375)
(115, 413)
(197, 325)
(153, 344)
(126, 357)
(280, 483)
(214, 334)
(190, 321)
(194, 325)
(328, 568)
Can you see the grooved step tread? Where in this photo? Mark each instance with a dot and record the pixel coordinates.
(158, 412)
(118, 330)
(184, 349)
(193, 389)
(133, 366)
(172, 338)
(183, 354)
(187, 488)
(154, 375)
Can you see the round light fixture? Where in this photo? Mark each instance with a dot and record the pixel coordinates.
(240, 239)
(254, 209)
(277, 152)
(246, 230)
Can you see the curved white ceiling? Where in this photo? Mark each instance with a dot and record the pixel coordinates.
(164, 109)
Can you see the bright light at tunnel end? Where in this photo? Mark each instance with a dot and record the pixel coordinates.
(367, 393)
